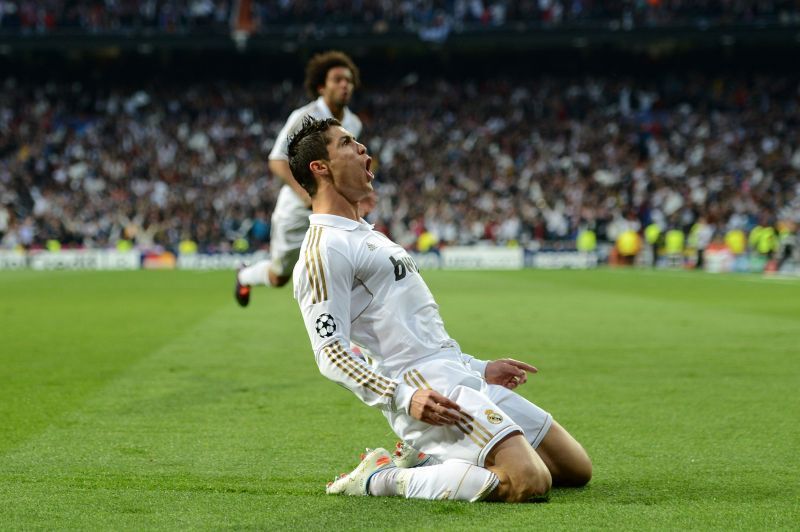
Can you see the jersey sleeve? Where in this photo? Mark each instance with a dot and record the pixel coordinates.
(323, 284)
(280, 151)
(475, 364)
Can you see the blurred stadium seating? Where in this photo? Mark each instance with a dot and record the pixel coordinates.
(379, 16)
(504, 138)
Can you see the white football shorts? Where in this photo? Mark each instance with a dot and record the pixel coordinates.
(289, 226)
(489, 413)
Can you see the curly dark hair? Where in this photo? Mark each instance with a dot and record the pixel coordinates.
(310, 143)
(319, 65)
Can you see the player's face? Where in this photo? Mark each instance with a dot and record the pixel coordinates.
(349, 165)
(338, 88)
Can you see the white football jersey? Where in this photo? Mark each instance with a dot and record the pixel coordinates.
(353, 283)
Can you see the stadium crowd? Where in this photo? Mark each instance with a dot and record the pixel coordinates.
(181, 16)
(496, 161)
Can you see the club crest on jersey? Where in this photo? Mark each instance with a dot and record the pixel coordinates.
(402, 266)
(493, 417)
(326, 326)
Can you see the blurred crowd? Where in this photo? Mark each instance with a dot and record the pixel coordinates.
(181, 16)
(502, 161)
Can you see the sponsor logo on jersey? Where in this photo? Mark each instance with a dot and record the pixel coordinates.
(371, 246)
(493, 417)
(402, 266)
(326, 325)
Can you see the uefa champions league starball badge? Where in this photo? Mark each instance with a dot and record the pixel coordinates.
(326, 326)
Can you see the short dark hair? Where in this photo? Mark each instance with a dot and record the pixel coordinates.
(319, 65)
(309, 144)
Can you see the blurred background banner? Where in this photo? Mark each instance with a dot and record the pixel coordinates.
(550, 133)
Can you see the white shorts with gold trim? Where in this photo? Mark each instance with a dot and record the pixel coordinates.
(489, 413)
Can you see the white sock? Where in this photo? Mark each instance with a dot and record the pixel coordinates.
(452, 480)
(257, 274)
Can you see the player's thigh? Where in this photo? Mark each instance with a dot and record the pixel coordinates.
(521, 471)
(566, 459)
(286, 238)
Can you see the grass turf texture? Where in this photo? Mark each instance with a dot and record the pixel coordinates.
(150, 400)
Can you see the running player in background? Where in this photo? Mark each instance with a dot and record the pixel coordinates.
(353, 283)
(331, 78)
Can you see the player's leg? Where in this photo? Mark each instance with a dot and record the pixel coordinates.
(486, 437)
(565, 458)
(513, 472)
(257, 274)
(568, 462)
(289, 226)
(521, 472)
(451, 480)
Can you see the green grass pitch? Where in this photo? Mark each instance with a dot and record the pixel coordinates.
(149, 400)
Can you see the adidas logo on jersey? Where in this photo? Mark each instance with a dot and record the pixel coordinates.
(371, 246)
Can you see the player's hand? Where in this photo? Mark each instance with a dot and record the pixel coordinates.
(508, 372)
(434, 408)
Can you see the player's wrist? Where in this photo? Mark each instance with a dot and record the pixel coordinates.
(479, 366)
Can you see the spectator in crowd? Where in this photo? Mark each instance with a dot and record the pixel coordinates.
(431, 18)
(91, 165)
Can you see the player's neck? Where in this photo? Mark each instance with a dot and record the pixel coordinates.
(335, 204)
(336, 110)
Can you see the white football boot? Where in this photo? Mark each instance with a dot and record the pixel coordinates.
(357, 481)
(406, 456)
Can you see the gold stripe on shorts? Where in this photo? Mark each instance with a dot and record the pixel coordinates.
(480, 428)
(481, 436)
(469, 432)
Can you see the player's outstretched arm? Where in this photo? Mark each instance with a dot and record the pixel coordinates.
(508, 372)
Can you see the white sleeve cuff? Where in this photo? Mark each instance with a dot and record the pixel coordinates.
(479, 366)
(402, 397)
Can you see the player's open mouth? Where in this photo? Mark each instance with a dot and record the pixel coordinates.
(369, 163)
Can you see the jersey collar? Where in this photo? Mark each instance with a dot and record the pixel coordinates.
(339, 222)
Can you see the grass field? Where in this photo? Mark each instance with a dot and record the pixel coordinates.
(149, 400)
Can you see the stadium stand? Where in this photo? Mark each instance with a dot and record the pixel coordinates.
(102, 147)
(383, 15)
(490, 160)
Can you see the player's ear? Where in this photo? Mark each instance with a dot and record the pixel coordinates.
(319, 168)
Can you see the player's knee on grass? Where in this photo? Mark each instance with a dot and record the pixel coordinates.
(568, 462)
(522, 473)
(523, 483)
(578, 474)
